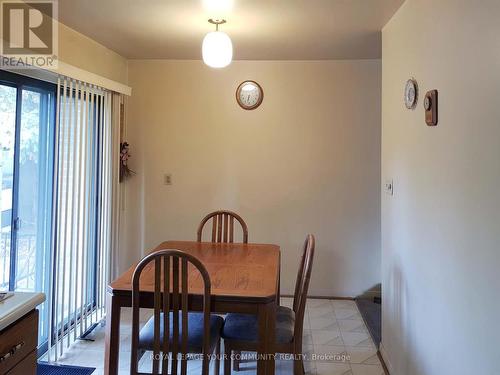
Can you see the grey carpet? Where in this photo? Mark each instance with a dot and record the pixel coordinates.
(372, 314)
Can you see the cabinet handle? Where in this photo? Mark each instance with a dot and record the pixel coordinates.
(11, 352)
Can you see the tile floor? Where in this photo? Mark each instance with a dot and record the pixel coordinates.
(336, 342)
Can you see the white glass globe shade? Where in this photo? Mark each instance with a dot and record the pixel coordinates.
(217, 49)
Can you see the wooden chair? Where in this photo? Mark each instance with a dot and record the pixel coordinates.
(240, 332)
(187, 332)
(223, 226)
(223, 231)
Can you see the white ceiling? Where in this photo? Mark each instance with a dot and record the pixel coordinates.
(259, 29)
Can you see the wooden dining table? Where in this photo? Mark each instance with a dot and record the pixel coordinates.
(244, 278)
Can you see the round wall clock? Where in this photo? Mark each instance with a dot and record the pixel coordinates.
(411, 93)
(249, 95)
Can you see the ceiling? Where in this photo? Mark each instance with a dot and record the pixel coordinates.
(259, 29)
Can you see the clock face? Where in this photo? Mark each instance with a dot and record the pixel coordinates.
(249, 95)
(411, 94)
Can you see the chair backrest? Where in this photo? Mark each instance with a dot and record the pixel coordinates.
(302, 284)
(170, 294)
(223, 226)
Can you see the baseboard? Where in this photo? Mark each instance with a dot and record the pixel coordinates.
(384, 359)
(321, 297)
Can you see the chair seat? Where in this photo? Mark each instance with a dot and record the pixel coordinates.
(195, 332)
(244, 327)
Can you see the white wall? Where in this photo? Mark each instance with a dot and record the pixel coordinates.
(85, 53)
(441, 229)
(307, 160)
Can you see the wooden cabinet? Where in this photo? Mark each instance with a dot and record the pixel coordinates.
(18, 346)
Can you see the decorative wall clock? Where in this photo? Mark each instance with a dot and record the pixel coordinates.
(249, 95)
(411, 93)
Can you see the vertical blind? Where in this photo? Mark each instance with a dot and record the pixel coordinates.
(83, 235)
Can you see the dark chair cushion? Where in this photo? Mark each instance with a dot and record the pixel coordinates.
(244, 327)
(195, 332)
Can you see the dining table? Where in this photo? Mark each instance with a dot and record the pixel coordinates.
(244, 279)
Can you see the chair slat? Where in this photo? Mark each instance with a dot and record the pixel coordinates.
(219, 228)
(166, 314)
(184, 285)
(175, 312)
(214, 229)
(206, 329)
(225, 227)
(231, 229)
(135, 327)
(157, 297)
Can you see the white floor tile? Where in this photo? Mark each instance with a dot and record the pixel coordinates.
(367, 369)
(356, 339)
(318, 303)
(328, 324)
(363, 355)
(343, 304)
(332, 328)
(327, 338)
(331, 353)
(347, 325)
(321, 312)
(332, 368)
(347, 314)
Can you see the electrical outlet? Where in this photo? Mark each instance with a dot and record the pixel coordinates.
(389, 187)
(167, 179)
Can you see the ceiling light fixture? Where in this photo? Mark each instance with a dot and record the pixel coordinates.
(217, 48)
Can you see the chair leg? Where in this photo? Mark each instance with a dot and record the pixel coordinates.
(236, 360)
(227, 358)
(298, 367)
(217, 359)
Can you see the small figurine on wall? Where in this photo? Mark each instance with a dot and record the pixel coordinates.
(125, 171)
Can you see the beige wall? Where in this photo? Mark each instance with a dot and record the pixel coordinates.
(441, 229)
(307, 160)
(81, 51)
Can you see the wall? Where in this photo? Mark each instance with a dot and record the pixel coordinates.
(307, 160)
(441, 229)
(81, 51)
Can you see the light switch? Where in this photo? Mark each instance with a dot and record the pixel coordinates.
(167, 179)
(389, 187)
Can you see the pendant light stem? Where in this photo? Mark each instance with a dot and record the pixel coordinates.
(216, 22)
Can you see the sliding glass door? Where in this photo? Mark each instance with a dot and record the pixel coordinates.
(55, 200)
(27, 118)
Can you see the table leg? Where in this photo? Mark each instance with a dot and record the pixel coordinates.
(271, 339)
(265, 352)
(112, 348)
